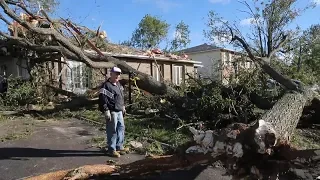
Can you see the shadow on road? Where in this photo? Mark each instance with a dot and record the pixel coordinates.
(15, 153)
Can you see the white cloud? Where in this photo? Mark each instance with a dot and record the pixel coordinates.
(249, 21)
(246, 22)
(164, 5)
(222, 40)
(317, 2)
(219, 1)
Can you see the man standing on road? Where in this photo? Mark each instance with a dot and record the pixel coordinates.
(111, 103)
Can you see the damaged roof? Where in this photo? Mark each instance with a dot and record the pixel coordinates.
(122, 51)
(200, 48)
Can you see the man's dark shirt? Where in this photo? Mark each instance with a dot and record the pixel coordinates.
(111, 97)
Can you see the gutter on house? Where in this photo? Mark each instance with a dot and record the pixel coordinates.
(198, 65)
(145, 57)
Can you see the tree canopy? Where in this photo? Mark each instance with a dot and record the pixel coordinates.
(269, 22)
(150, 32)
(181, 38)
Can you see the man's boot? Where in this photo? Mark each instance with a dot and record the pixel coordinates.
(114, 154)
(124, 151)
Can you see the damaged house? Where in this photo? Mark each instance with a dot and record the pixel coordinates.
(77, 77)
(218, 63)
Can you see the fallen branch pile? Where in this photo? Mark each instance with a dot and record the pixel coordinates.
(259, 150)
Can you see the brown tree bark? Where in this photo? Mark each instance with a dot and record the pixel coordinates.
(285, 114)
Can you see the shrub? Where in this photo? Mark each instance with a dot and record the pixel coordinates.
(20, 92)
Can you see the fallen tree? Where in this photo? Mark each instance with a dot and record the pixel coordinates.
(245, 149)
(64, 46)
(260, 150)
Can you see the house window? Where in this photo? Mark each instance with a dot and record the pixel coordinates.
(177, 75)
(157, 71)
(3, 70)
(87, 74)
(235, 67)
(78, 77)
(228, 62)
(76, 73)
(195, 71)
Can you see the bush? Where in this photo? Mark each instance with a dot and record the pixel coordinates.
(211, 102)
(20, 92)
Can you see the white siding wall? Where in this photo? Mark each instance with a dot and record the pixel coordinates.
(211, 62)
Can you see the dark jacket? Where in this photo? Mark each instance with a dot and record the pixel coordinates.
(111, 97)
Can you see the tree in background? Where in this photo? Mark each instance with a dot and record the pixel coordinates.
(150, 32)
(269, 23)
(269, 36)
(306, 56)
(311, 49)
(181, 38)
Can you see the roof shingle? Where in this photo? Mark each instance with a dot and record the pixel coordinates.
(199, 48)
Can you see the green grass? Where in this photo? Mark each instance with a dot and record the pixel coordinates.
(302, 141)
(11, 136)
(15, 136)
(153, 132)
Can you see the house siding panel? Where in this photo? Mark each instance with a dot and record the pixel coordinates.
(211, 62)
(189, 69)
(143, 66)
(167, 72)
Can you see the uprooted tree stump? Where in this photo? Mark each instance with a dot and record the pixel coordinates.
(260, 150)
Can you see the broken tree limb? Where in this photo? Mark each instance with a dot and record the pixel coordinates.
(71, 51)
(136, 170)
(262, 61)
(73, 104)
(61, 91)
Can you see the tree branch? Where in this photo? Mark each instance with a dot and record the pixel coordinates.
(277, 48)
(264, 65)
(22, 6)
(5, 20)
(71, 51)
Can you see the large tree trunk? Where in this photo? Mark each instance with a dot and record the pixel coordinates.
(285, 114)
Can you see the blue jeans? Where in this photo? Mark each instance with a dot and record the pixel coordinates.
(115, 131)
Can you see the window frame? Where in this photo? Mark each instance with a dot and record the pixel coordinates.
(178, 70)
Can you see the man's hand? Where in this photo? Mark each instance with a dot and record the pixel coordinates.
(107, 115)
(124, 110)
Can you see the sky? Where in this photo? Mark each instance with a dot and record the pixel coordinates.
(119, 18)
